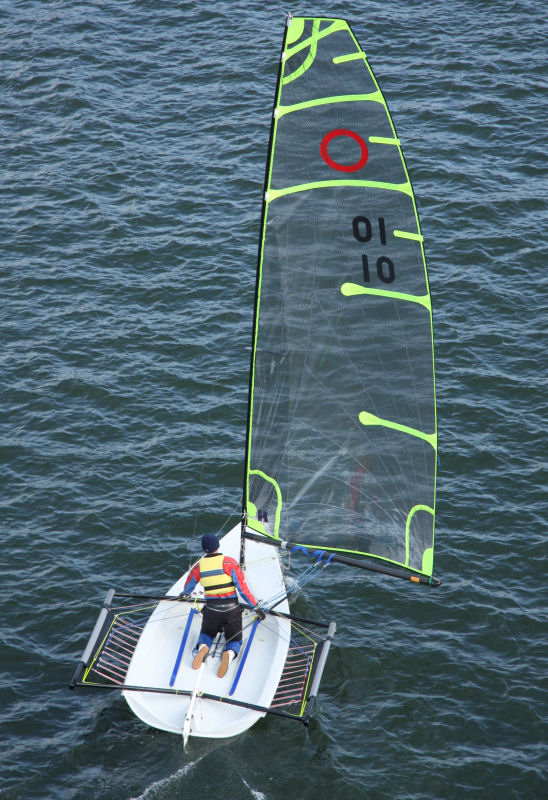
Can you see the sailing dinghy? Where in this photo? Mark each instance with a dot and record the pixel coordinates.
(341, 445)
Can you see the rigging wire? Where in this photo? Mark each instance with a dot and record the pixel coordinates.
(301, 580)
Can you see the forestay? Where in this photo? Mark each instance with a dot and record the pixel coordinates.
(342, 436)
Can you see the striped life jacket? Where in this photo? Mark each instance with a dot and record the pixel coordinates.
(214, 579)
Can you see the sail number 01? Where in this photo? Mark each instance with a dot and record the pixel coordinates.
(363, 232)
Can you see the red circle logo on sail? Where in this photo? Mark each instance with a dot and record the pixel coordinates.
(335, 164)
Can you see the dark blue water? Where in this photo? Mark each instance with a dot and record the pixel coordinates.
(133, 141)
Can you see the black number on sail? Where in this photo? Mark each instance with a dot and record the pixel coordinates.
(362, 229)
(363, 232)
(385, 269)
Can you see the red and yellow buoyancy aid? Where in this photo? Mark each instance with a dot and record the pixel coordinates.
(215, 581)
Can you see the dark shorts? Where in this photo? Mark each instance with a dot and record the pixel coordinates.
(227, 620)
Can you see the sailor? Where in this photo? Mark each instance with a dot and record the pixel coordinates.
(222, 579)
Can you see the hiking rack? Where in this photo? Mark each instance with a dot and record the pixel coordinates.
(123, 616)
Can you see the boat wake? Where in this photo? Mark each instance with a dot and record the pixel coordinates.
(157, 789)
(254, 792)
(164, 787)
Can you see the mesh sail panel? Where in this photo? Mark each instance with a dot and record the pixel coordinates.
(342, 446)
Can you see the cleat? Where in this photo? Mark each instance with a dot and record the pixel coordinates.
(226, 658)
(200, 656)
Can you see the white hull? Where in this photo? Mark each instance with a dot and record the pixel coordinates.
(153, 662)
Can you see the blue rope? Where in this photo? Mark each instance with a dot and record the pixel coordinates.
(305, 577)
(299, 547)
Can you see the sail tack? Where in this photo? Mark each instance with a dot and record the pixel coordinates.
(342, 428)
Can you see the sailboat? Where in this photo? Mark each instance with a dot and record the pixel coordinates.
(341, 446)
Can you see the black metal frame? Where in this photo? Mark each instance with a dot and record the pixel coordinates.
(94, 643)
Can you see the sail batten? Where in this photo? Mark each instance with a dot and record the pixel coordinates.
(373, 97)
(405, 188)
(342, 440)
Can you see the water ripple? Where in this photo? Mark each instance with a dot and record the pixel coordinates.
(133, 149)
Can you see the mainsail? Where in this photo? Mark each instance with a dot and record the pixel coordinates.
(342, 442)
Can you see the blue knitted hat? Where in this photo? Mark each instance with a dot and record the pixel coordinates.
(210, 543)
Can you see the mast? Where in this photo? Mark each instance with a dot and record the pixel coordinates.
(257, 292)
